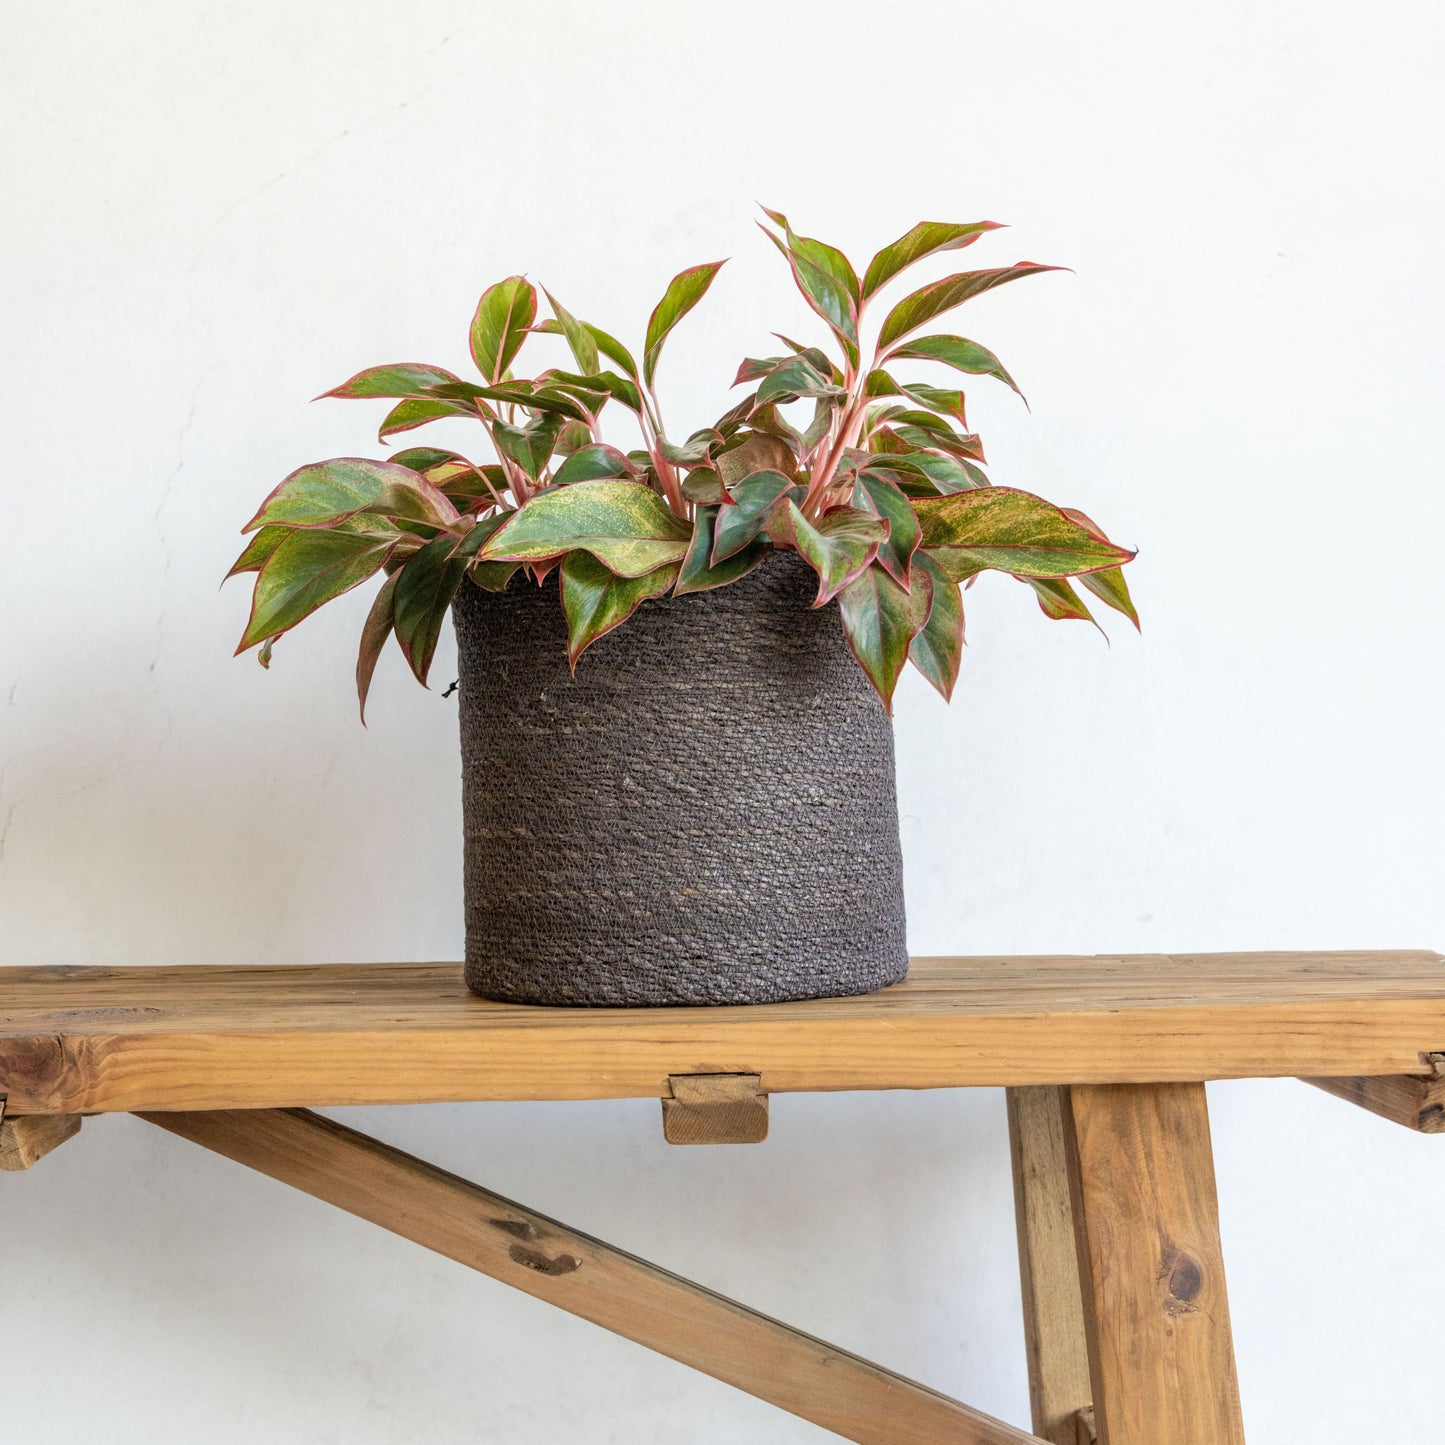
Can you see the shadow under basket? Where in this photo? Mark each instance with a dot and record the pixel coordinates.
(704, 814)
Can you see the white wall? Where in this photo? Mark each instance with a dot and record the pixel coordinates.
(213, 212)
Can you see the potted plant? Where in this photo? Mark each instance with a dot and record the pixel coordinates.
(704, 810)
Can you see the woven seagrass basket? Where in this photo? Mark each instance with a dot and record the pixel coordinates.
(704, 814)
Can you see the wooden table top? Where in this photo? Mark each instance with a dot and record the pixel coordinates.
(103, 1039)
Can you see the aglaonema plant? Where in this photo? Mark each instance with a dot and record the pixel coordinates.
(881, 490)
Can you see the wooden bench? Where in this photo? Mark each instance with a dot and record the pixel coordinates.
(1104, 1059)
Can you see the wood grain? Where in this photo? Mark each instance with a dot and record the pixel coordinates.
(27, 1138)
(586, 1277)
(1147, 1224)
(1417, 1103)
(1058, 1357)
(100, 1039)
(715, 1109)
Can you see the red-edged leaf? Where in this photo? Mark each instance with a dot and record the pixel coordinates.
(1109, 586)
(958, 352)
(937, 650)
(879, 622)
(753, 501)
(920, 307)
(1013, 531)
(401, 378)
(838, 546)
(1058, 600)
(579, 338)
(625, 525)
(375, 631)
(326, 493)
(698, 573)
(596, 601)
(257, 550)
(877, 493)
(307, 570)
(757, 452)
(925, 239)
(503, 317)
(829, 296)
(591, 462)
(425, 586)
(683, 292)
(418, 411)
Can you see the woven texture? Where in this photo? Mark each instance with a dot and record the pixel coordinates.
(704, 814)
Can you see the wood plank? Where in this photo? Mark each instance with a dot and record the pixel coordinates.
(1417, 1103)
(93, 1040)
(25, 1139)
(1147, 1224)
(715, 1109)
(1059, 1387)
(586, 1277)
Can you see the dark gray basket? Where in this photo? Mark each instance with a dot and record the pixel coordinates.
(704, 814)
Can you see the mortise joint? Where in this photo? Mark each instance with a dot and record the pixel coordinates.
(544, 1263)
(715, 1109)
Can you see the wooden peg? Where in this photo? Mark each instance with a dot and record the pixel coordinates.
(715, 1109)
(26, 1138)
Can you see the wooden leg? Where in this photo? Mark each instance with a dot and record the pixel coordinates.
(858, 1400)
(1147, 1225)
(1059, 1388)
(28, 1138)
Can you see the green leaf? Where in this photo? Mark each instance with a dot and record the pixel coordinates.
(1058, 600)
(402, 378)
(936, 398)
(838, 546)
(503, 317)
(921, 306)
(325, 493)
(374, 632)
(489, 576)
(684, 291)
(757, 452)
(425, 586)
(875, 493)
(787, 378)
(625, 525)
(958, 352)
(1013, 531)
(515, 393)
(703, 485)
(257, 550)
(417, 411)
(579, 338)
(937, 650)
(529, 446)
(830, 297)
(879, 622)
(613, 350)
(423, 459)
(753, 500)
(698, 573)
(1109, 586)
(595, 600)
(941, 473)
(307, 570)
(925, 239)
(609, 346)
(588, 463)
